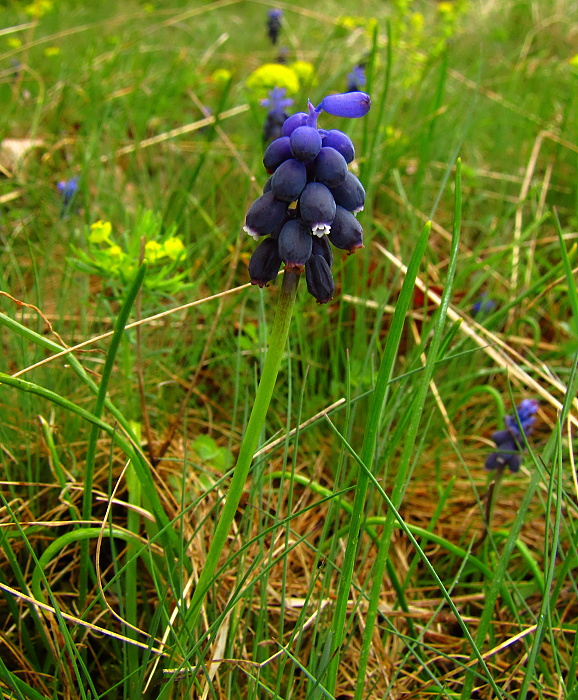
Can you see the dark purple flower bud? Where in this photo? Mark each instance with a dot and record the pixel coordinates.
(330, 167)
(295, 243)
(317, 208)
(346, 232)
(508, 452)
(499, 460)
(350, 195)
(347, 104)
(277, 152)
(305, 143)
(265, 263)
(340, 142)
(321, 247)
(295, 120)
(267, 185)
(288, 181)
(265, 214)
(320, 282)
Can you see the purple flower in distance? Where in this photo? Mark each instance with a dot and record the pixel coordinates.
(510, 442)
(67, 189)
(276, 103)
(483, 306)
(356, 79)
(274, 24)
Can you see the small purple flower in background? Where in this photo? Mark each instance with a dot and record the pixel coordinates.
(484, 306)
(510, 441)
(283, 55)
(16, 67)
(276, 116)
(274, 25)
(311, 198)
(356, 79)
(67, 189)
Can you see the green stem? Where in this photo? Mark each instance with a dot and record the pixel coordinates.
(250, 442)
(119, 330)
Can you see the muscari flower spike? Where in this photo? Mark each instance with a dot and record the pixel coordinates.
(67, 189)
(311, 198)
(276, 103)
(510, 442)
(274, 24)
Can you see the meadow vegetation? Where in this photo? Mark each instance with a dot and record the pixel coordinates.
(133, 131)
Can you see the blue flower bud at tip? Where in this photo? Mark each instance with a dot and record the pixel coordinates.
(348, 104)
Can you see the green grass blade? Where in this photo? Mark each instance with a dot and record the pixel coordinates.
(378, 399)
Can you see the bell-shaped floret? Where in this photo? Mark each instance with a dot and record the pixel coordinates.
(267, 186)
(288, 180)
(295, 243)
(347, 104)
(265, 263)
(346, 232)
(292, 122)
(277, 152)
(317, 208)
(350, 195)
(340, 142)
(508, 454)
(330, 167)
(322, 247)
(305, 143)
(265, 214)
(320, 282)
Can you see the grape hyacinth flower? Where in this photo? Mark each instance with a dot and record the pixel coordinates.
(356, 79)
(67, 189)
(484, 306)
(510, 441)
(276, 102)
(274, 24)
(310, 200)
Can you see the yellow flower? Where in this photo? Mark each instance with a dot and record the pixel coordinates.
(153, 251)
(271, 75)
(416, 19)
(304, 71)
(446, 8)
(574, 61)
(14, 42)
(173, 248)
(221, 77)
(51, 51)
(100, 232)
(348, 22)
(38, 8)
(115, 251)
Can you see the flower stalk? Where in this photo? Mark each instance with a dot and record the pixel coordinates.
(277, 343)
